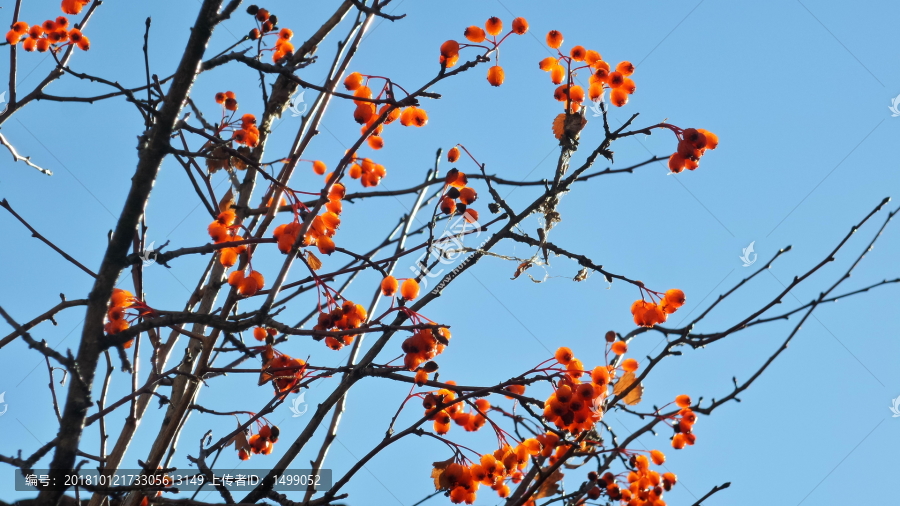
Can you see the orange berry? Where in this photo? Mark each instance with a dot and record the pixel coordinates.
(413, 116)
(325, 245)
(679, 441)
(619, 347)
(557, 74)
(467, 195)
(712, 140)
(676, 163)
(547, 63)
(353, 81)
(471, 216)
(630, 365)
(564, 355)
(554, 39)
(337, 192)
(235, 278)
(228, 257)
(618, 97)
(600, 376)
(658, 457)
(260, 334)
(578, 53)
(474, 34)
(410, 289)
(615, 79)
(375, 142)
(493, 26)
(520, 26)
(389, 286)
(675, 297)
(495, 75)
(629, 86)
(625, 68)
(576, 94)
(449, 49)
(453, 154)
(448, 205)
(683, 401)
(591, 57)
(319, 167)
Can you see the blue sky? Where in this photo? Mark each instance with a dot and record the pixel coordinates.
(798, 93)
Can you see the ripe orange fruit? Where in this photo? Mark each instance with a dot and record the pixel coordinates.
(495, 75)
(410, 289)
(493, 25)
(520, 26)
(554, 39)
(474, 34)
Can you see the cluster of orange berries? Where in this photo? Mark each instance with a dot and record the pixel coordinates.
(46, 34)
(575, 405)
(492, 27)
(367, 171)
(409, 290)
(648, 313)
(248, 134)
(645, 486)
(262, 442)
(283, 370)
(684, 426)
(267, 24)
(344, 317)
(692, 144)
(603, 76)
(321, 229)
(73, 6)
(221, 230)
(246, 284)
(120, 301)
(117, 318)
(457, 196)
(367, 113)
(228, 100)
(506, 464)
(423, 346)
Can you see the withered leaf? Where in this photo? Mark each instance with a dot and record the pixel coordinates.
(634, 396)
(236, 162)
(550, 486)
(438, 473)
(227, 201)
(239, 441)
(582, 274)
(524, 266)
(313, 261)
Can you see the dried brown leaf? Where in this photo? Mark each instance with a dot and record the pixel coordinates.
(550, 486)
(313, 261)
(524, 266)
(438, 473)
(636, 393)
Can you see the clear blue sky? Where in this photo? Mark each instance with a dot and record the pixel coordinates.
(798, 94)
